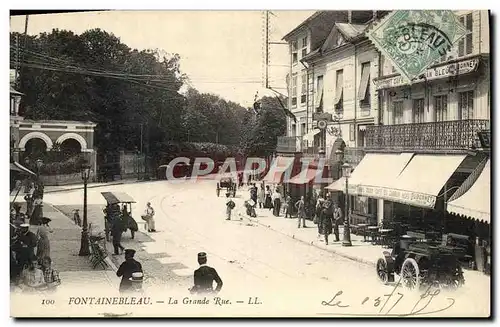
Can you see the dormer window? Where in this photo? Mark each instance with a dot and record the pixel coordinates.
(303, 47)
(294, 52)
(339, 40)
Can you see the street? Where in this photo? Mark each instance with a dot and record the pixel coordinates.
(286, 275)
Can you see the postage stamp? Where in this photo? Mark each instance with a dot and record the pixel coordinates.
(414, 39)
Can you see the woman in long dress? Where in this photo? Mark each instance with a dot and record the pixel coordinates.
(43, 244)
(268, 202)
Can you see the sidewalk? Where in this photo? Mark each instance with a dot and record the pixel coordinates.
(360, 251)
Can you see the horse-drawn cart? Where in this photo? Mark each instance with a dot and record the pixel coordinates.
(227, 182)
(423, 262)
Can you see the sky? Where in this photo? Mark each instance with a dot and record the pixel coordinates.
(221, 51)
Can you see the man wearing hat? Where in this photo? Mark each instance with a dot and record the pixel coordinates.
(136, 281)
(127, 269)
(25, 245)
(205, 276)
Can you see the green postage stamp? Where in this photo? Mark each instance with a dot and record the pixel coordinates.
(414, 39)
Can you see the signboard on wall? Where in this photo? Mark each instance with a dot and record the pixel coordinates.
(444, 71)
(401, 196)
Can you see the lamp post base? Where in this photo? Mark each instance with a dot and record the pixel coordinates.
(346, 243)
(85, 244)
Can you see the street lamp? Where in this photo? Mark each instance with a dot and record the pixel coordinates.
(84, 245)
(346, 172)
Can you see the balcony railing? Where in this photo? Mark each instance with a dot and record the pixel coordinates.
(292, 144)
(445, 135)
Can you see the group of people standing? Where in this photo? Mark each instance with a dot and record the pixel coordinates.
(118, 221)
(328, 217)
(30, 261)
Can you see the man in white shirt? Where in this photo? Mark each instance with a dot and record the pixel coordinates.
(149, 217)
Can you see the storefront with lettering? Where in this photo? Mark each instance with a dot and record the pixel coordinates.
(455, 90)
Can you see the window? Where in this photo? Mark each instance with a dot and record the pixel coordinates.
(303, 128)
(441, 107)
(303, 87)
(397, 112)
(294, 89)
(465, 44)
(418, 110)
(339, 92)
(294, 130)
(294, 52)
(319, 94)
(466, 105)
(364, 85)
(303, 47)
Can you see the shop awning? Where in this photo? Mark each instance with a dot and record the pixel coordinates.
(338, 185)
(279, 166)
(16, 166)
(475, 202)
(311, 174)
(422, 179)
(310, 136)
(377, 171)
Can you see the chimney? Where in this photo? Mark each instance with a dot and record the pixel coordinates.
(374, 14)
(349, 16)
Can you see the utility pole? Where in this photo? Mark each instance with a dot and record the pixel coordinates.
(267, 49)
(24, 50)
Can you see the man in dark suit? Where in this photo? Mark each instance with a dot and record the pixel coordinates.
(127, 268)
(205, 276)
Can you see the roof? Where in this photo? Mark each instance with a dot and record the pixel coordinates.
(59, 122)
(117, 197)
(351, 31)
(303, 24)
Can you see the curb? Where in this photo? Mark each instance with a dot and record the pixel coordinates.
(347, 256)
(92, 186)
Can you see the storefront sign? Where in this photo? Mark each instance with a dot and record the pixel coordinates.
(444, 71)
(414, 39)
(408, 197)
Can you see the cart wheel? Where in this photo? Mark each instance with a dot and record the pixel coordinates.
(410, 274)
(382, 271)
(456, 279)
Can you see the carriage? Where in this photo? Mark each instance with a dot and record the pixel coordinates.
(421, 262)
(227, 182)
(113, 211)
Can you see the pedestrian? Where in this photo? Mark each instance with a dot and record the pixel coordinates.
(254, 193)
(29, 204)
(43, 243)
(317, 212)
(37, 214)
(301, 212)
(130, 222)
(126, 270)
(268, 204)
(229, 206)
(149, 218)
(276, 203)
(25, 245)
(288, 207)
(326, 223)
(32, 278)
(50, 275)
(261, 196)
(116, 233)
(338, 219)
(204, 277)
(136, 282)
(76, 217)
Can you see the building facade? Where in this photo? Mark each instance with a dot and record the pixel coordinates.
(414, 148)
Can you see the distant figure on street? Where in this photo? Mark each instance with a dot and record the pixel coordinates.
(116, 232)
(268, 204)
(254, 193)
(301, 212)
(127, 269)
(326, 220)
(338, 219)
(29, 204)
(204, 277)
(229, 206)
(288, 207)
(317, 213)
(261, 196)
(276, 202)
(43, 244)
(37, 214)
(76, 217)
(149, 218)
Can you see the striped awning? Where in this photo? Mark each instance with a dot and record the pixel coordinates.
(279, 167)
